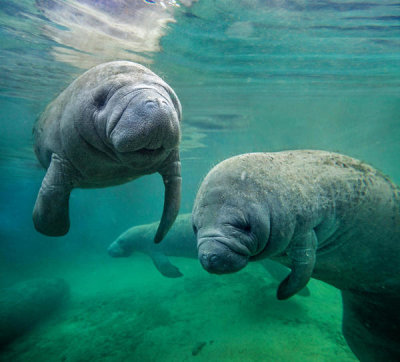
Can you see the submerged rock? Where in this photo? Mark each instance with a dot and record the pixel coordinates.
(25, 304)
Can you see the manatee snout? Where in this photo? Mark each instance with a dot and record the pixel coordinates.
(164, 124)
(118, 250)
(115, 250)
(217, 258)
(149, 124)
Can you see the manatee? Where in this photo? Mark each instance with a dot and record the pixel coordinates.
(179, 242)
(322, 214)
(116, 122)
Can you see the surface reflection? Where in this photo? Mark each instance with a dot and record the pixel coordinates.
(93, 31)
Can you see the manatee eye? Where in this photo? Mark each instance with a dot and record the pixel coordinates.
(244, 225)
(241, 225)
(247, 228)
(194, 229)
(100, 97)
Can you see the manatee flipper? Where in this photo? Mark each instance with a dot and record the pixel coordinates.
(164, 266)
(302, 256)
(371, 326)
(171, 175)
(51, 211)
(278, 272)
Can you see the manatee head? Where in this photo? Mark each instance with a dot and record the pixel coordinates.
(230, 220)
(136, 238)
(138, 123)
(119, 248)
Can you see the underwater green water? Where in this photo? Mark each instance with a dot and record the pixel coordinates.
(251, 75)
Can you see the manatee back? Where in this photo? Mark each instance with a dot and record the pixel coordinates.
(313, 179)
(355, 212)
(180, 240)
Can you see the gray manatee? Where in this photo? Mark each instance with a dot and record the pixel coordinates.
(116, 122)
(179, 242)
(324, 215)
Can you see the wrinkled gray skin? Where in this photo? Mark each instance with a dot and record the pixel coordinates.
(179, 242)
(113, 124)
(322, 214)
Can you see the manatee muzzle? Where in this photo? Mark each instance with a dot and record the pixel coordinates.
(218, 258)
(149, 125)
(115, 250)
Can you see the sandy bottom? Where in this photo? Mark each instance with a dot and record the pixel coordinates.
(124, 310)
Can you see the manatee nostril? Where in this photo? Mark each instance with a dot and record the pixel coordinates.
(210, 262)
(213, 259)
(155, 102)
(150, 103)
(205, 260)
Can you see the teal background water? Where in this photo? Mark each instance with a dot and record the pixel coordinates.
(251, 75)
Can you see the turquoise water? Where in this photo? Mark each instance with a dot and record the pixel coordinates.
(251, 75)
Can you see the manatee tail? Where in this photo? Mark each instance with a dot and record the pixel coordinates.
(171, 175)
(302, 255)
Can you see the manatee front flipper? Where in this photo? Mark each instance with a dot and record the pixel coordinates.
(50, 214)
(164, 266)
(278, 272)
(371, 326)
(171, 175)
(302, 256)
